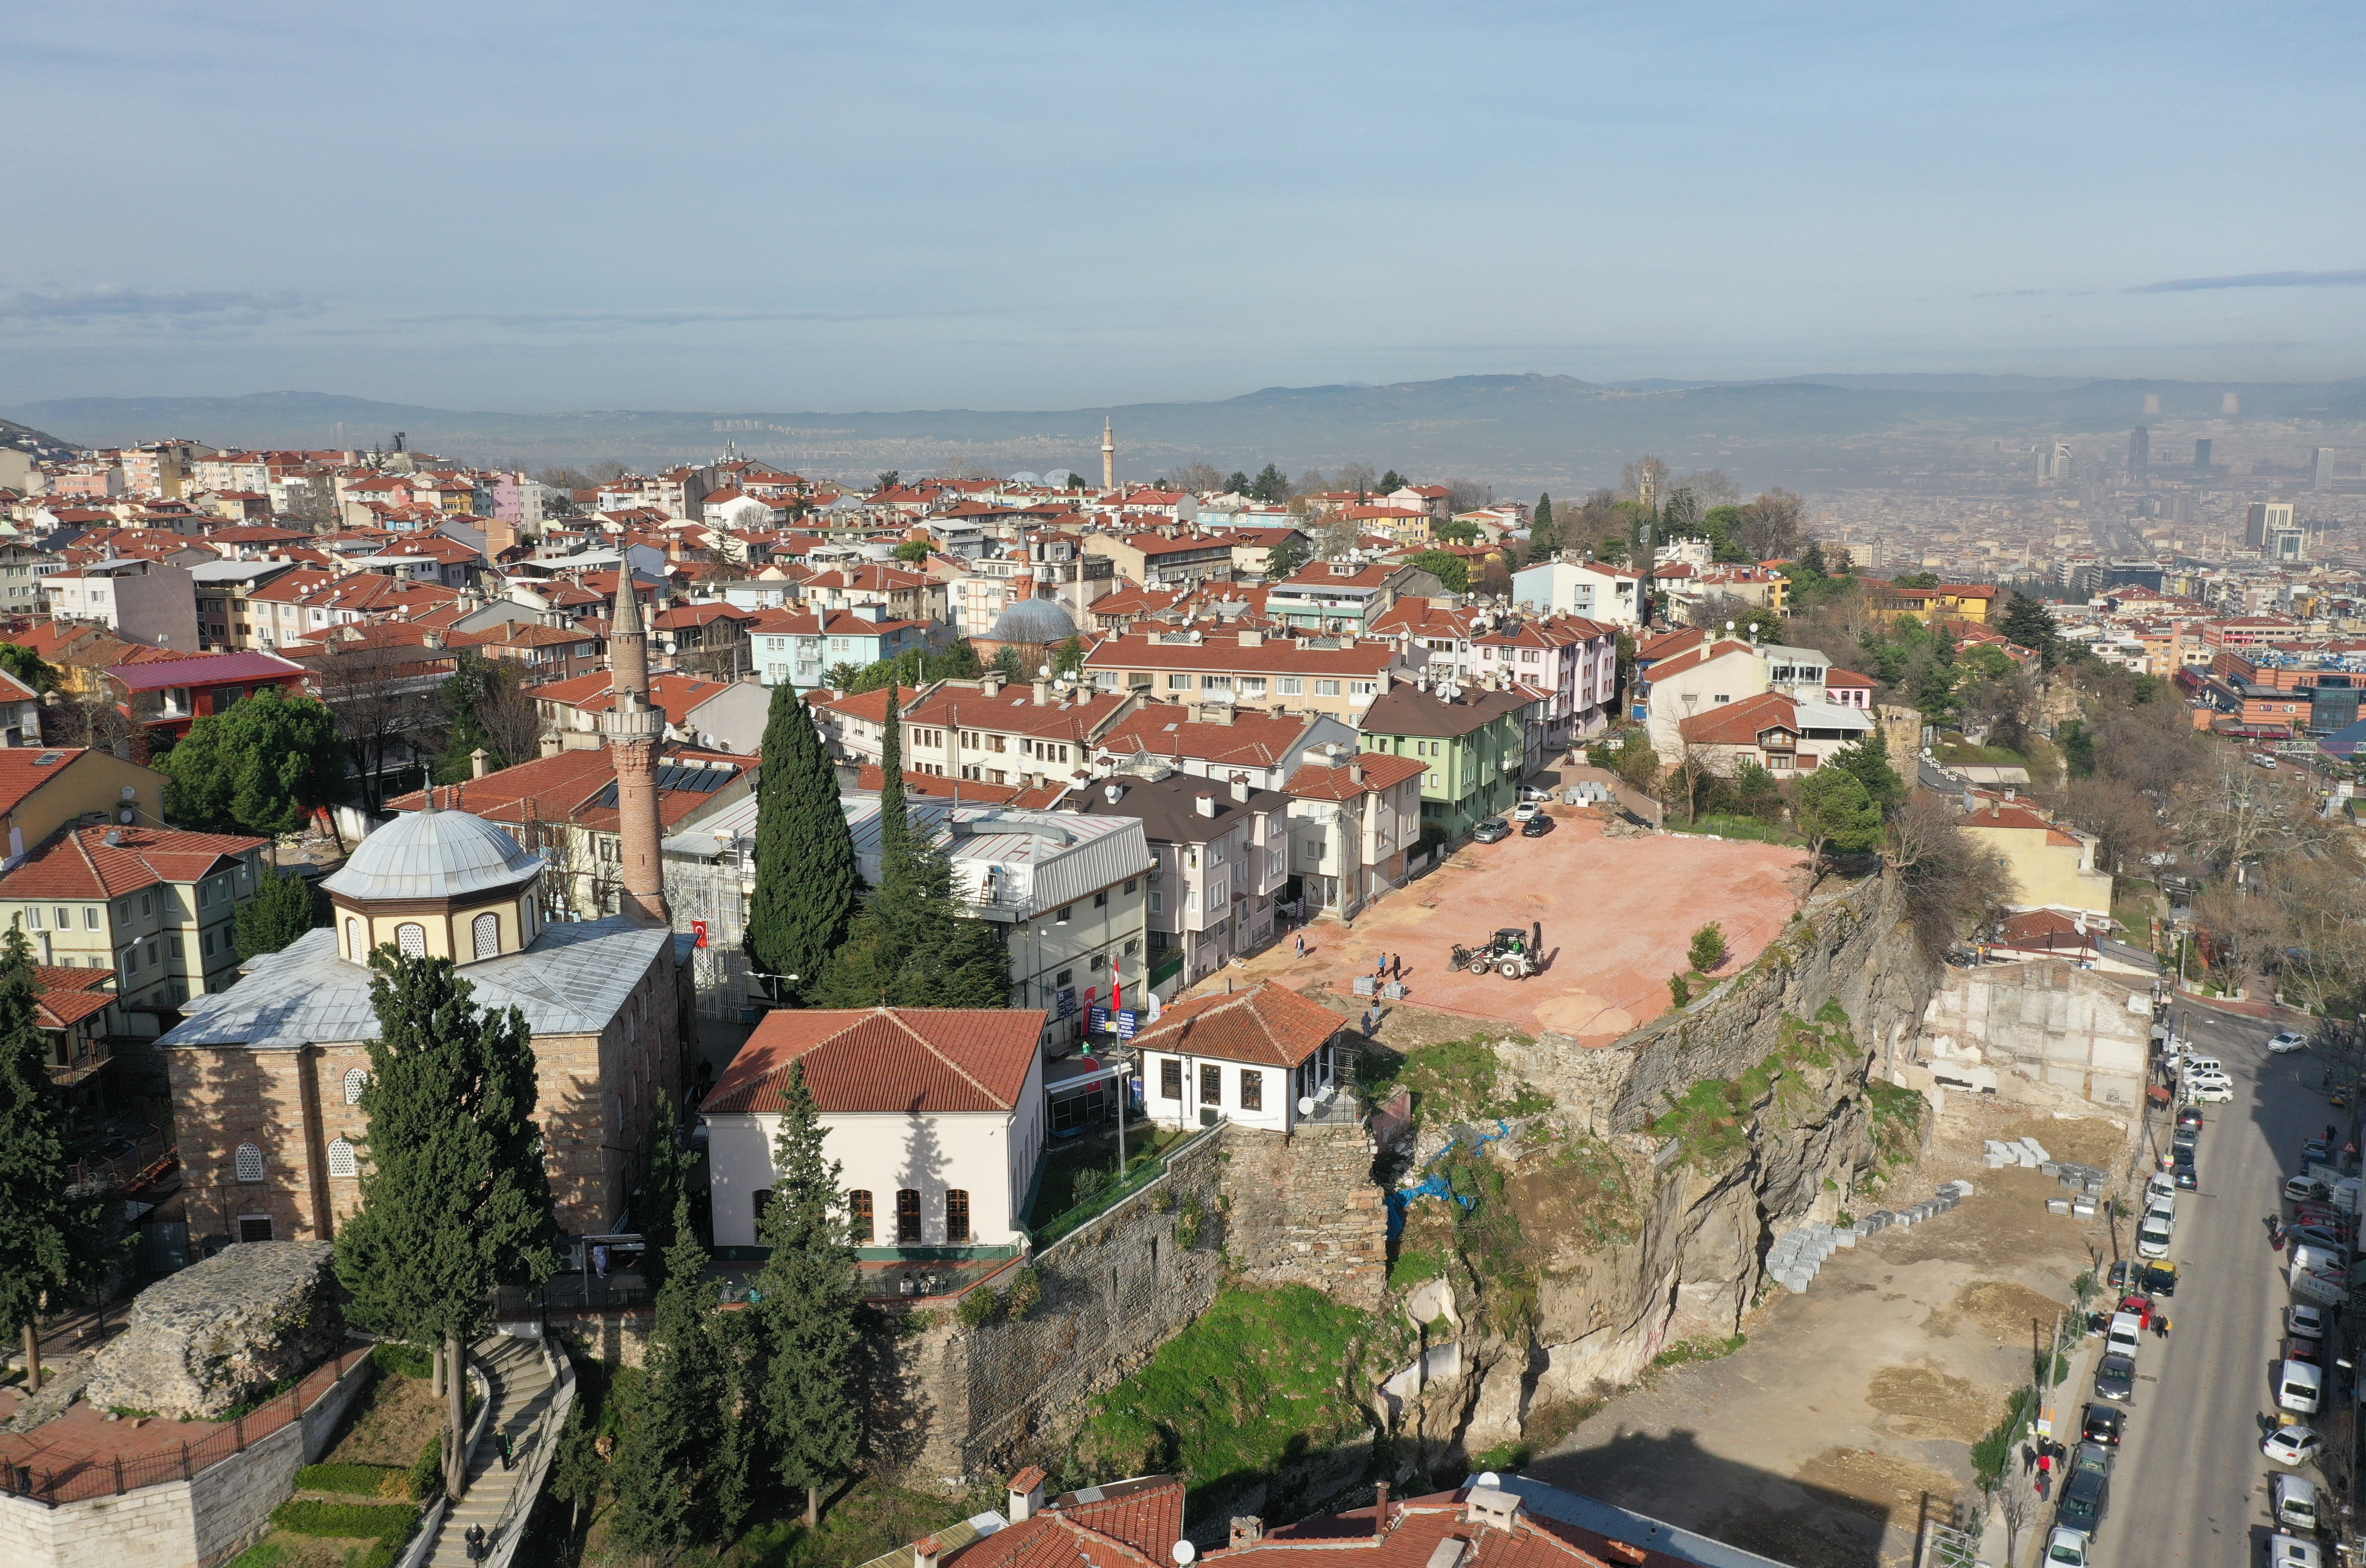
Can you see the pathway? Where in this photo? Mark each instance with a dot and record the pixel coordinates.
(521, 1389)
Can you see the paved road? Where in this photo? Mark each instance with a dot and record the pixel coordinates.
(2189, 1489)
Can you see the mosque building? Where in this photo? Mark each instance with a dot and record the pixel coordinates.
(267, 1075)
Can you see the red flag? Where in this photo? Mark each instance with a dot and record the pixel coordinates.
(1117, 991)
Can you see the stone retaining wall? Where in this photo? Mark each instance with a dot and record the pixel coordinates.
(1305, 1211)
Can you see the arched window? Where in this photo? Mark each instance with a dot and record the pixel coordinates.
(341, 1159)
(487, 931)
(247, 1160)
(356, 947)
(412, 938)
(355, 1081)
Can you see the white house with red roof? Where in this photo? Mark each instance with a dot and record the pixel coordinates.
(936, 1117)
(1595, 589)
(1247, 1057)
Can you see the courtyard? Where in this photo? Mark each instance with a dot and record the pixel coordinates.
(1613, 918)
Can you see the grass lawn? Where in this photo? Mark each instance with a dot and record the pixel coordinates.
(1953, 748)
(2133, 904)
(1064, 1161)
(1729, 827)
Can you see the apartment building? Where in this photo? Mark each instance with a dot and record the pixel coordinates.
(1353, 816)
(1223, 856)
(1346, 598)
(1337, 677)
(152, 602)
(1471, 743)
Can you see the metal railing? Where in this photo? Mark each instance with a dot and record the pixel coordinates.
(505, 1537)
(103, 1475)
(1151, 1167)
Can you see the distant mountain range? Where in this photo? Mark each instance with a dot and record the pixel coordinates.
(1521, 431)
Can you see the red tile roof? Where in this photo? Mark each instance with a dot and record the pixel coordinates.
(1272, 1024)
(1381, 770)
(81, 863)
(1167, 731)
(1740, 724)
(889, 1061)
(206, 669)
(68, 995)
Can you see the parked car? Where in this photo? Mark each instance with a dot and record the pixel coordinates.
(2087, 1494)
(2211, 1091)
(2183, 1174)
(2315, 1151)
(1527, 810)
(2158, 1278)
(2286, 1043)
(2320, 1236)
(2293, 1500)
(2291, 1551)
(2116, 1377)
(2291, 1445)
(2304, 1320)
(2309, 1351)
(2066, 1548)
(2153, 1235)
(2304, 1189)
(1537, 827)
(2299, 1386)
(2191, 1117)
(2104, 1424)
(1493, 831)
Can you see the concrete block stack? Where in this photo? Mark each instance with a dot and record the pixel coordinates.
(2022, 1151)
(1799, 1254)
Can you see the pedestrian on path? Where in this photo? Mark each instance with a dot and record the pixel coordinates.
(508, 1449)
(1368, 1023)
(1396, 965)
(1302, 944)
(2160, 1327)
(2028, 1459)
(475, 1543)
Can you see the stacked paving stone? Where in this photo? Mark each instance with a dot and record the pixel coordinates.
(2023, 1151)
(1797, 1255)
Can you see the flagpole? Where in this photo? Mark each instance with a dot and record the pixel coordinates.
(1117, 1005)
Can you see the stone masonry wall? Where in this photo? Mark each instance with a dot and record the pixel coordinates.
(1305, 1210)
(973, 1400)
(180, 1524)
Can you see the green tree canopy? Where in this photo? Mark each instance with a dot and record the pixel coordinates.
(1916, 580)
(49, 1233)
(2029, 623)
(1867, 759)
(912, 550)
(1393, 481)
(1449, 569)
(29, 667)
(1236, 483)
(455, 1200)
(263, 767)
(1270, 484)
(665, 1488)
(1835, 812)
(282, 909)
(810, 1299)
(806, 878)
(1544, 533)
(1288, 557)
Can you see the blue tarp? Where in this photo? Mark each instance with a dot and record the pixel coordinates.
(1435, 1185)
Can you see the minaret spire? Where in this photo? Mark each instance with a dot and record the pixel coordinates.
(633, 729)
(1109, 453)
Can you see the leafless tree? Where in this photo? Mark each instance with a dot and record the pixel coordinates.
(507, 713)
(1468, 495)
(2001, 708)
(2234, 812)
(1710, 487)
(1335, 536)
(1357, 477)
(2246, 930)
(1690, 781)
(1311, 482)
(1197, 477)
(1952, 881)
(387, 701)
(2018, 1502)
(2323, 894)
(2150, 747)
(1644, 480)
(1770, 525)
(2125, 823)
(607, 468)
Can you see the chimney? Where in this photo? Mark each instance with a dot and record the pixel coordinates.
(1026, 1494)
(1252, 639)
(550, 745)
(1114, 793)
(1380, 1511)
(1204, 804)
(1240, 786)
(1247, 1530)
(1043, 692)
(1355, 773)
(990, 683)
(478, 761)
(1487, 1503)
(926, 1550)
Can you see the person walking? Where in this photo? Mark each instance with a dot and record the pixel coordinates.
(475, 1543)
(2028, 1459)
(507, 1446)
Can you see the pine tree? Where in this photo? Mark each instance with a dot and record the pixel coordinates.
(262, 767)
(895, 825)
(2028, 622)
(1868, 760)
(1544, 533)
(810, 1299)
(806, 877)
(48, 1232)
(281, 910)
(454, 1197)
(664, 1501)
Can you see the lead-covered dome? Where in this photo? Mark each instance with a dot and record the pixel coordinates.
(433, 854)
(1033, 620)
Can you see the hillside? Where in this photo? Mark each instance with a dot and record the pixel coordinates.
(1519, 430)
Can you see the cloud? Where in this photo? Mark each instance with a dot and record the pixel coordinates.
(2354, 279)
(192, 309)
(615, 321)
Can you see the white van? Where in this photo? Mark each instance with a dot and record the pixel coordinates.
(2297, 1387)
(2125, 1335)
(2204, 1066)
(2152, 1235)
(2293, 1500)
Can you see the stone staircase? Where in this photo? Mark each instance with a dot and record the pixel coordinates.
(523, 1388)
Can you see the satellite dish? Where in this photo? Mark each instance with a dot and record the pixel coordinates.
(1185, 1554)
(1491, 1480)
(1306, 1105)
(1044, 670)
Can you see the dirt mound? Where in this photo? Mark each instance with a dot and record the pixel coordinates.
(2089, 1140)
(1921, 1402)
(2002, 1311)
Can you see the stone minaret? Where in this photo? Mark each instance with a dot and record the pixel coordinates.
(633, 729)
(1108, 454)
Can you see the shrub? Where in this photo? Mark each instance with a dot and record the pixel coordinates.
(1188, 1223)
(1089, 1183)
(978, 1308)
(385, 1522)
(1680, 990)
(1025, 1295)
(1708, 948)
(401, 1360)
(357, 1479)
(427, 1470)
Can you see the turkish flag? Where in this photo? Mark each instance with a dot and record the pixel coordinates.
(1117, 991)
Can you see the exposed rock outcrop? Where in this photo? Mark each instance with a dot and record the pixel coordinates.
(220, 1332)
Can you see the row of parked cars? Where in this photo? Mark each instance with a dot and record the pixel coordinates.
(2319, 1239)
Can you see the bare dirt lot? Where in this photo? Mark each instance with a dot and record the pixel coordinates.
(1820, 1441)
(1616, 916)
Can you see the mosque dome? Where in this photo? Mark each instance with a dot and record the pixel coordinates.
(1033, 620)
(433, 854)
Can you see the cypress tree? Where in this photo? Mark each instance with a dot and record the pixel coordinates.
(1544, 533)
(48, 1232)
(454, 1198)
(807, 875)
(281, 910)
(663, 1499)
(895, 825)
(810, 1306)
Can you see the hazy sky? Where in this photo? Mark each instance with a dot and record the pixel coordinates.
(781, 207)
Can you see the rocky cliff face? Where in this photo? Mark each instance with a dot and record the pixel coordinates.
(1637, 1214)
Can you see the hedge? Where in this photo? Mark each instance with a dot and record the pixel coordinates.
(357, 1480)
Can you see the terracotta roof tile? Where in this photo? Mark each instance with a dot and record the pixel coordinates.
(1272, 1024)
(890, 1061)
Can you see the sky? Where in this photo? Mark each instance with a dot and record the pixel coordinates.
(783, 207)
